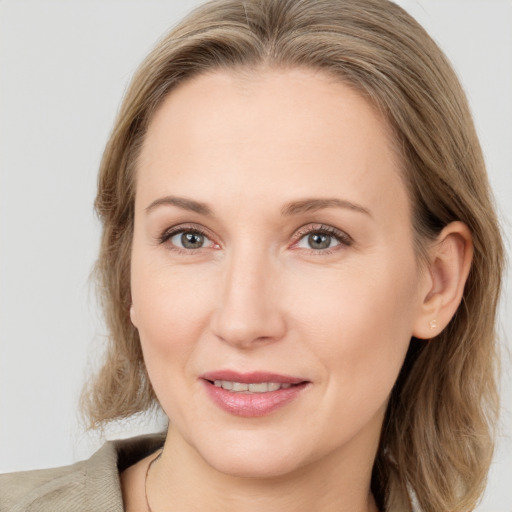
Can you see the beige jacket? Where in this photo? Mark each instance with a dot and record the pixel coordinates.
(88, 486)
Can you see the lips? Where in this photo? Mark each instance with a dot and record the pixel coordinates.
(256, 387)
(252, 394)
(251, 378)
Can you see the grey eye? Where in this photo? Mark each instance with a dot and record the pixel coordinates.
(318, 241)
(188, 240)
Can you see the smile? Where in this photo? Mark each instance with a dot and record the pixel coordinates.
(252, 394)
(256, 387)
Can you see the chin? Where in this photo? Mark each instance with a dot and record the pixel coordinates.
(252, 458)
(263, 466)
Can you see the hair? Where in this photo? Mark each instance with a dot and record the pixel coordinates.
(437, 438)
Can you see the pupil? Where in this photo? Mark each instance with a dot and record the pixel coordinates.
(319, 241)
(192, 240)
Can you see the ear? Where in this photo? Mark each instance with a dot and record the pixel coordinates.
(449, 262)
(133, 316)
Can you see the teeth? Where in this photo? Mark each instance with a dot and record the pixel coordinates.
(256, 387)
(239, 386)
(261, 387)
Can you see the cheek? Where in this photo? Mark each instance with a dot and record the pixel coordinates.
(170, 309)
(359, 324)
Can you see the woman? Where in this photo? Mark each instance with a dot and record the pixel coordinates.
(300, 264)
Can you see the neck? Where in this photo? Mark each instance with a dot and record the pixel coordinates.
(182, 481)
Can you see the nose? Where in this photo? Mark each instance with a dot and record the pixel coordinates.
(248, 312)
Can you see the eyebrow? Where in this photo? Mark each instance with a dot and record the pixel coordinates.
(289, 209)
(183, 203)
(313, 205)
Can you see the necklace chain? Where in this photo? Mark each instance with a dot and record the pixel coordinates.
(146, 480)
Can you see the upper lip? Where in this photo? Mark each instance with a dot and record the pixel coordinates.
(251, 378)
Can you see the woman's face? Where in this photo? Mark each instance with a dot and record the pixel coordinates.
(272, 253)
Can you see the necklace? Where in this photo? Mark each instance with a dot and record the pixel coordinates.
(146, 480)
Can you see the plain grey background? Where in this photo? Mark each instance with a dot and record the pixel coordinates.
(64, 66)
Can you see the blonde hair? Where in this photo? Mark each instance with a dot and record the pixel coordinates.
(437, 437)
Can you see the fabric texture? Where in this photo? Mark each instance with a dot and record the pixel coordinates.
(91, 485)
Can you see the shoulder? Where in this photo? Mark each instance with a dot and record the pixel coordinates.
(86, 486)
(42, 489)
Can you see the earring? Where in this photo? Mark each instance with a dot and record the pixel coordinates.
(433, 323)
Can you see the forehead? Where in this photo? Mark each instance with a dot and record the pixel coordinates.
(298, 132)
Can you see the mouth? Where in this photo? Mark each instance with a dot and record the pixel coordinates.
(253, 387)
(252, 394)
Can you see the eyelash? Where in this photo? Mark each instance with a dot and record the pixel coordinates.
(168, 234)
(343, 238)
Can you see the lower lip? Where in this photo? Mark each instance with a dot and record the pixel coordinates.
(252, 405)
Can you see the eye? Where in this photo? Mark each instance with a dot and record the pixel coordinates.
(186, 239)
(317, 241)
(321, 238)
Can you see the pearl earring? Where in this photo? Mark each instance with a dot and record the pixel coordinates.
(433, 324)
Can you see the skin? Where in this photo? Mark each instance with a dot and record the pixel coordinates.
(257, 296)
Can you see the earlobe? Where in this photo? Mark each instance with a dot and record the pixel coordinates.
(448, 269)
(132, 315)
